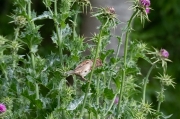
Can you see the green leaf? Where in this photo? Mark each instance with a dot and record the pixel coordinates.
(113, 60)
(108, 93)
(31, 36)
(166, 117)
(117, 81)
(38, 103)
(54, 38)
(75, 103)
(3, 40)
(66, 31)
(85, 86)
(45, 15)
(34, 48)
(30, 78)
(92, 108)
(52, 93)
(105, 54)
(14, 88)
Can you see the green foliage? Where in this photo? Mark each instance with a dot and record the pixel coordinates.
(35, 86)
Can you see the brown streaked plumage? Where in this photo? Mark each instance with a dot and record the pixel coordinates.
(85, 68)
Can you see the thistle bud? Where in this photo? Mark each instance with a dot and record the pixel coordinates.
(164, 53)
(2, 108)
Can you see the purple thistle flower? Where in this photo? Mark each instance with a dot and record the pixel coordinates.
(2, 108)
(164, 53)
(116, 100)
(145, 3)
(147, 10)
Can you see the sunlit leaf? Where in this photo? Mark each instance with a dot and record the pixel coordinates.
(75, 103)
(45, 15)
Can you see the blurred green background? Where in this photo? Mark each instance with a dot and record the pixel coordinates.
(163, 31)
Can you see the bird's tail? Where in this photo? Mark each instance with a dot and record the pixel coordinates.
(70, 72)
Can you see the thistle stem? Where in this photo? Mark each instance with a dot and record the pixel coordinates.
(6, 77)
(32, 25)
(29, 9)
(119, 46)
(92, 71)
(37, 91)
(145, 82)
(74, 36)
(112, 102)
(14, 49)
(74, 26)
(125, 58)
(159, 105)
(33, 62)
(59, 41)
(16, 33)
(160, 100)
(58, 32)
(117, 53)
(32, 55)
(97, 96)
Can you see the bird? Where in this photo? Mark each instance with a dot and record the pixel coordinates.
(84, 68)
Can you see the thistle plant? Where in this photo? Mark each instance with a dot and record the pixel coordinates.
(36, 86)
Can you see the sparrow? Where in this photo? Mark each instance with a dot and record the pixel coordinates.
(84, 68)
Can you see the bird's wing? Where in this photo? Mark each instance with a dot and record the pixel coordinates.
(82, 64)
